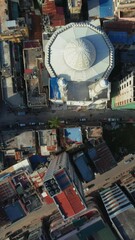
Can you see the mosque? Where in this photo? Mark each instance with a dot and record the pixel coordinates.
(79, 58)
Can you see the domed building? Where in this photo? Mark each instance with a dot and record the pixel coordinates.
(83, 56)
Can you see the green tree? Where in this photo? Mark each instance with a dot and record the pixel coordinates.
(54, 123)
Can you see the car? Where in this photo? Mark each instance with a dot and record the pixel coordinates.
(22, 124)
(83, 119)
(62, 121)
(41, 123)
(32, 123)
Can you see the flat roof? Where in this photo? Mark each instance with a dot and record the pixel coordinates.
(56, 164)
(100, 8)
(19, 139)
(14, 211)
(73, 134)
(125, 222)
(48, 138)
(54, 89)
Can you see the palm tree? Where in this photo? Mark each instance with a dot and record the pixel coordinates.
(54, 123)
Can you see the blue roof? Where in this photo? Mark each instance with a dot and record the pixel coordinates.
(121, 37)
(5, 175)
(35, 160)
(14, 211)
(127, 56)
(14, 10)
(92, 153)
(74, 134)
(101, 8)
(106, 8)
(54, 89)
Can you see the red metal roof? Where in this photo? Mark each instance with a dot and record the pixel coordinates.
(28, 71)
(70, 202)
(56, 14)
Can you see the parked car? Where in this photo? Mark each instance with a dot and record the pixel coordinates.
(32, 123)
(41, 124)
(83, 119)
(22, 124)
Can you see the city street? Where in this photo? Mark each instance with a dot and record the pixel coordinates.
(7, 117)
(32, 219)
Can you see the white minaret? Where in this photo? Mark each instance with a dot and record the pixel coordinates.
(98, 87)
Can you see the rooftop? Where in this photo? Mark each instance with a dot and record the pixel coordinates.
(34, 74)
(14, 211)
(125, 223)
(59, 162)
(100, 8)
(73, 135)
(88, 38)
(48, 138)
(104, 159)
(94, 132)
(56, 14)
(18, 139)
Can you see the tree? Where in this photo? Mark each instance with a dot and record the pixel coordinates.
(54, 123)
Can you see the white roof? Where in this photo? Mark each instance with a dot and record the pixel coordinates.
(79, 52)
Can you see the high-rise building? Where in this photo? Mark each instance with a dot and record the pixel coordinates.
(86, 225)
(125, 97)
(64, 186)
(120, 211)
(124, 9)
(128, 182)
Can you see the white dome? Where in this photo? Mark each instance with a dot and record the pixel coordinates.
(80, 54)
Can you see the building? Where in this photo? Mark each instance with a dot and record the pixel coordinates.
(100, 9)
(120, 211)
(34, 74)
(101, 156)
(125, 96)
(81, 163)
(54, 14)
(75, 9)
(64, 186)
(119, 26)
(71, 137)
(128, 182)
(7, 190)
(124, 9)
(15, 211)
(94, 132)
(48, 141)
(22, 165)
(82, 79)
(26, 191)
(18, 141)
(86, 225)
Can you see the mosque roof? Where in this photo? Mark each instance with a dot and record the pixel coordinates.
(79, 52)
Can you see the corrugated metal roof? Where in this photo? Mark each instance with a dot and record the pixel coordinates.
(56, 14)
(69, 202)
(54, 88)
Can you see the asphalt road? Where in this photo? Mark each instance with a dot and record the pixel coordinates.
(7, 117)
(32, 219)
